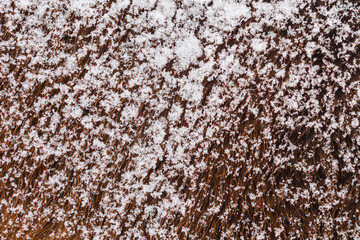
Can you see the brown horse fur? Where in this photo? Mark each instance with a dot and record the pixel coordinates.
(269, 149)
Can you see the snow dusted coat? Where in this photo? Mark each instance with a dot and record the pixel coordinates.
(167, 119)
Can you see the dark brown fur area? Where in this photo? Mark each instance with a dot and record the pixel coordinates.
(264, 169)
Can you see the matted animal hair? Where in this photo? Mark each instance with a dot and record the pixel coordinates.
(179, 119)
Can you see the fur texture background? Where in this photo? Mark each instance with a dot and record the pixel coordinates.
(179, 119)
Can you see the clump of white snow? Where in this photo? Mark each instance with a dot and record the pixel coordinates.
(259, 45)
(187, 51)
